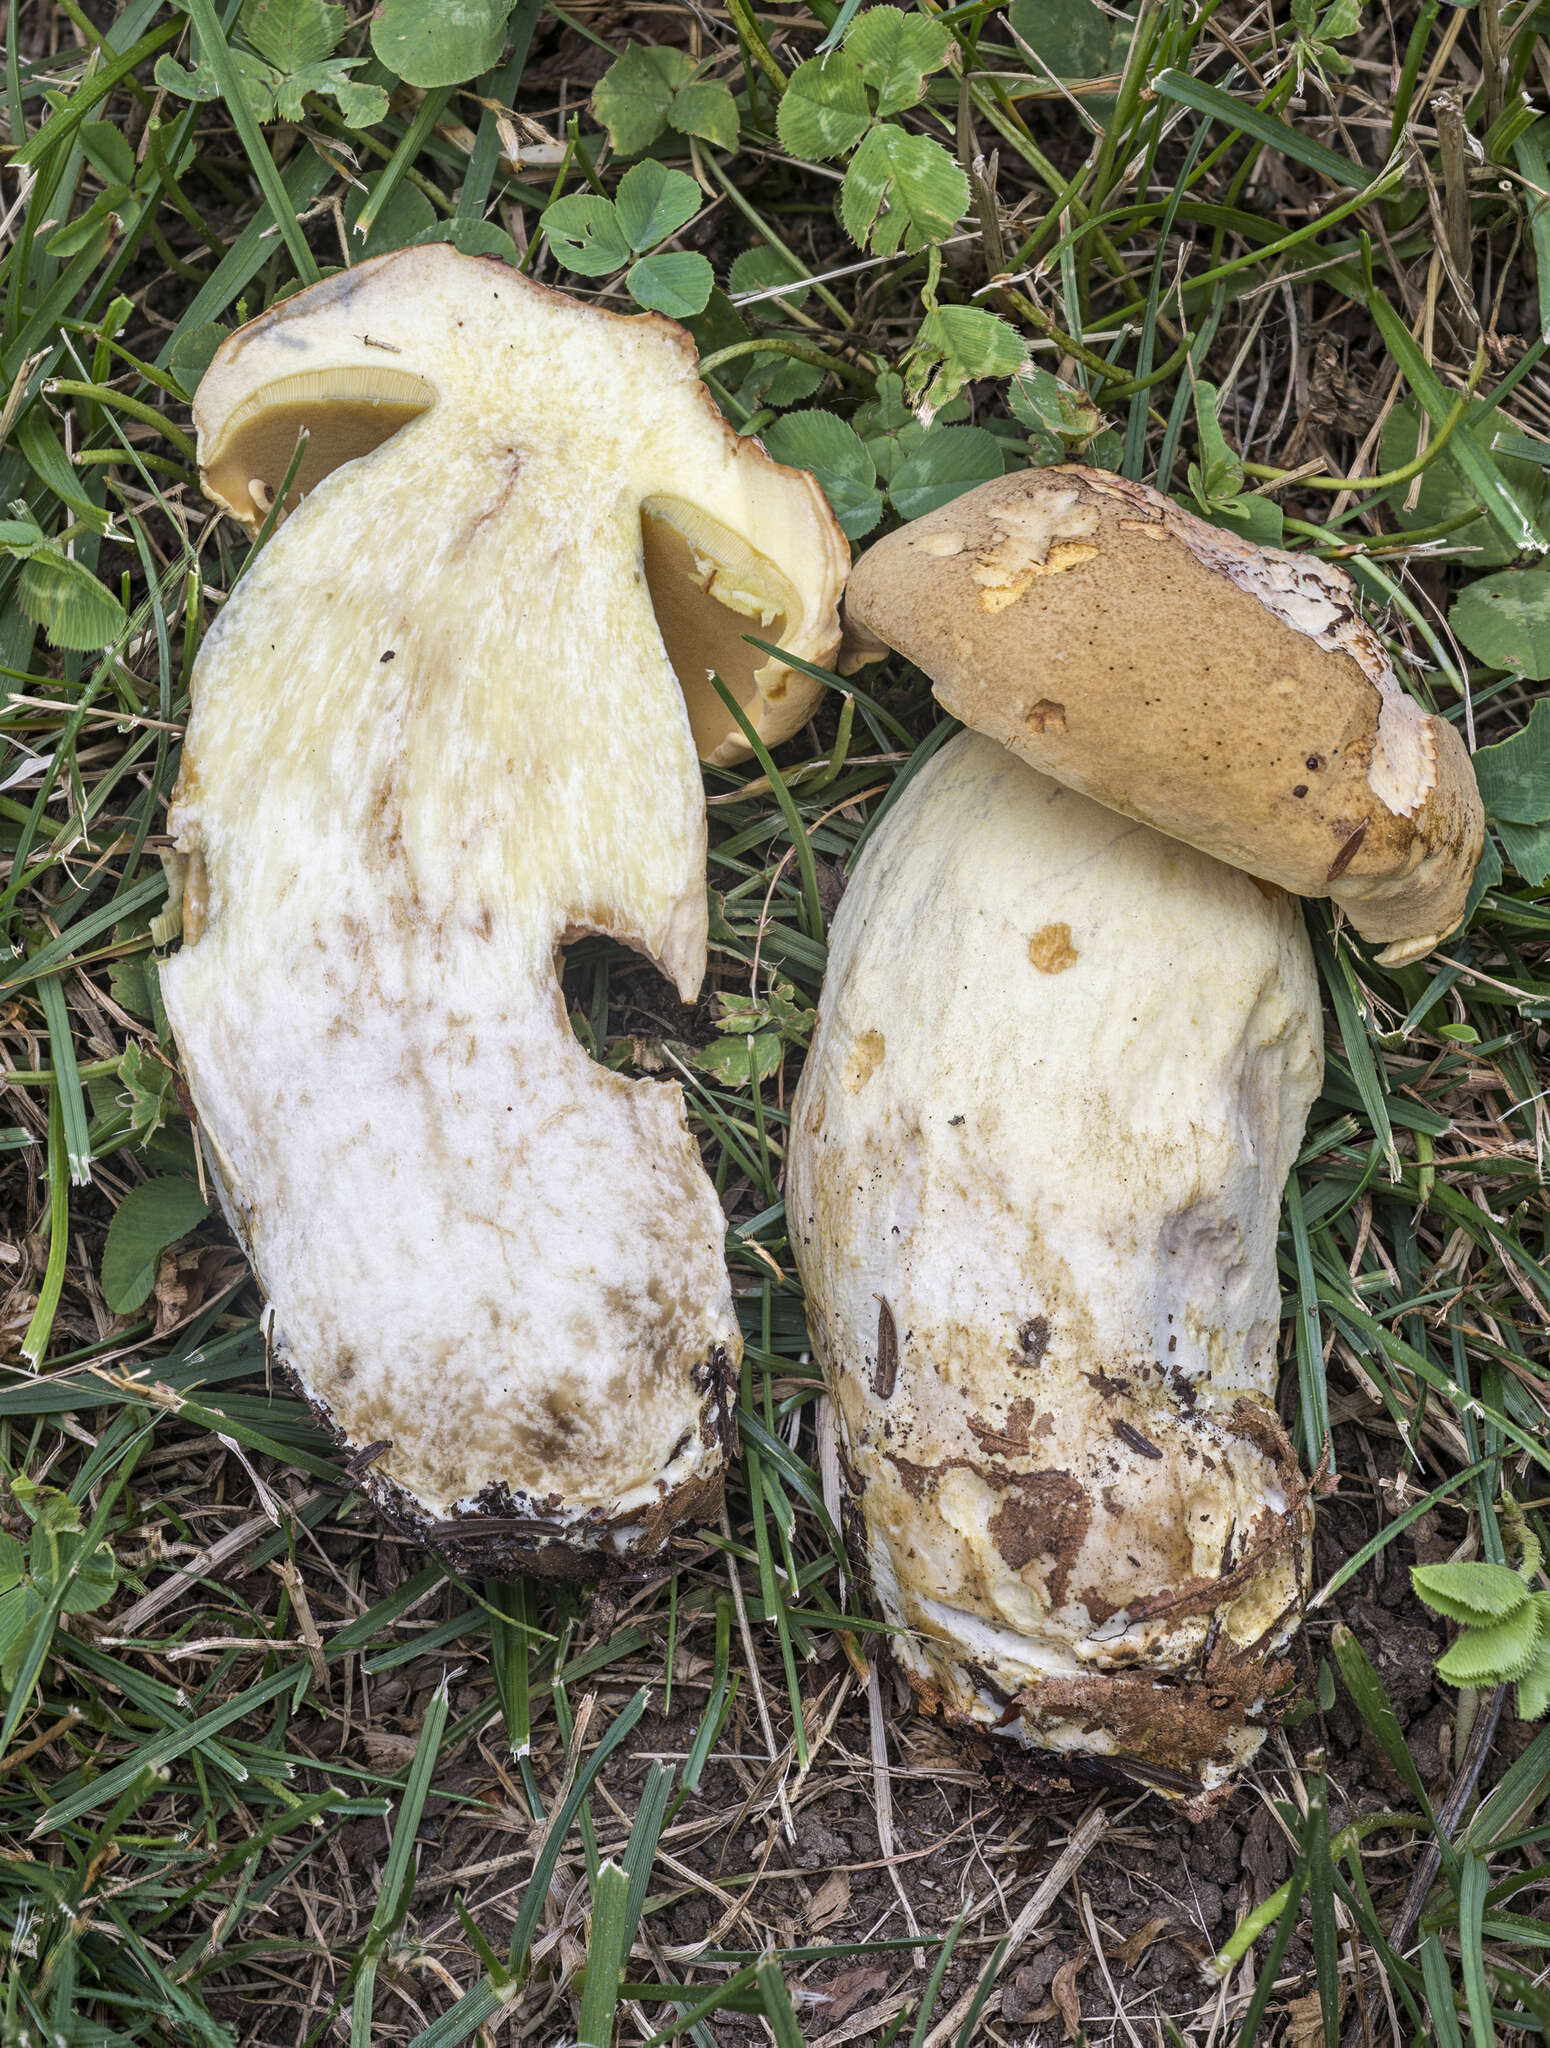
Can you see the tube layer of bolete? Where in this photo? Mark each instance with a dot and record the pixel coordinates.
(1229, 695)
(1061, 1069)
(436, 732)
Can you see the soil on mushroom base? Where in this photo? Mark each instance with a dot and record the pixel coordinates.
(1164, 1895)
(1161, 1894)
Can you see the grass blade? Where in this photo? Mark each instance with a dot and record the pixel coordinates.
(1529, 152)
(212, 38)
(397, 1873)
(1264, 1983)
(1474, 1882)
(801, 844)
(1279, 135)
(1498, 499)
(933, 1989)
(606, 1949)
(1312, 1386)
(1321, 1898)
(778, 2009)
(559, 1827)
(640, 1853)
(40, 1327)
(1438, 1978)
(1372, 1702)
(67, 1079)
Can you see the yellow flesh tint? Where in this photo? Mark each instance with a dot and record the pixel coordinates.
(708, 587)
(345, 415)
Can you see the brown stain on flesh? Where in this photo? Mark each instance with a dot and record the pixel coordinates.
(511, 466)
(885, 1370)
(511, 1533)
(1050, 949)
(1171, 1726)
(1013, 1438)
(865, 1057)
(1043, 1515)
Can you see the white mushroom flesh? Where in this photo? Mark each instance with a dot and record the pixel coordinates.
(436, 733)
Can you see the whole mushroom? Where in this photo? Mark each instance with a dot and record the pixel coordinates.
(446, 722)
(1229, 695)
(1060, 1073)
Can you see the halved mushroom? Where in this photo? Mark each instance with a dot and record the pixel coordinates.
(1229, 695)
(1061, 1070)
(436, 732)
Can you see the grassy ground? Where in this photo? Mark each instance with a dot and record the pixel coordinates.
(269, 1777)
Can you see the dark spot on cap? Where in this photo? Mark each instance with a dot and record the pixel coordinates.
(389, 654)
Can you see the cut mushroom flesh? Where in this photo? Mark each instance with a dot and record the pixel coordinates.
(436, 733)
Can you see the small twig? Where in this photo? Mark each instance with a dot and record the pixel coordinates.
(306, 1625)
(768, 1726)
(882, 1795)
(211, 1558)
(1070, 1860)
(1091, 1921)
(1480, 1739)
(29, 1750)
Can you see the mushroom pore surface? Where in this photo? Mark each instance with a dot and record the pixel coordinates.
(1228, 695)
(435, 733)
(1035, 1207)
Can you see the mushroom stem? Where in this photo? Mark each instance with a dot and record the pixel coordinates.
(1035, 1210)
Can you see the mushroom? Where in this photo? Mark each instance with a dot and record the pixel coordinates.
(1229, 695)
(445, 723)
(1034, 1207)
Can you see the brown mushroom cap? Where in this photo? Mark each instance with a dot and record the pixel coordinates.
(1228, 695)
